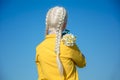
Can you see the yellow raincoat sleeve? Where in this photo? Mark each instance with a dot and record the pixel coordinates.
(75, 54)
(40, 73)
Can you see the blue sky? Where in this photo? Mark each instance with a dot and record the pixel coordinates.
(96, 23)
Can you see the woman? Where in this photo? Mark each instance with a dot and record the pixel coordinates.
(58, 55)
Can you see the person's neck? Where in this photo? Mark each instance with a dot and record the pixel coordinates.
(52, 31)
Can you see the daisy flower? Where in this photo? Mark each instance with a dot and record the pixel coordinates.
(69, 39)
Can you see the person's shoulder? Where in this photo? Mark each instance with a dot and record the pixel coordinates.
(45, 43)
(40, 45)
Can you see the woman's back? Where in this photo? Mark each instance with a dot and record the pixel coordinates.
(46, 60)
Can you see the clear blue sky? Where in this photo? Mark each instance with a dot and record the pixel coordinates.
(96, 23)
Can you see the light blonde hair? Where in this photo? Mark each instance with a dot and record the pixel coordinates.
(55, 19)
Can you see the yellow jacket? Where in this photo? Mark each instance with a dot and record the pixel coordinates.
(46, 60)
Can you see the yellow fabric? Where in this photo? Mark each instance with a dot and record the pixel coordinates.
(46, 60)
